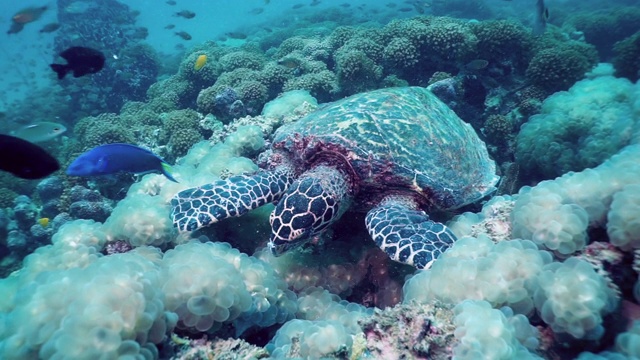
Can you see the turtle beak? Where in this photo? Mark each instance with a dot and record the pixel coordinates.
(279, 245)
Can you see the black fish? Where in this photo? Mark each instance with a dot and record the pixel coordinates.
(186, 14)
(80, 60)
(170, 26)
(50, 28)
(25, 16)
(183, 34)
(171, 2)
(26, 160)
(236, 35)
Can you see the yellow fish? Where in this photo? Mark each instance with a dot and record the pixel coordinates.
(43, 222)
(202, 59)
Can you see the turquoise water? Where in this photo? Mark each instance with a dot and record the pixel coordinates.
(518, 178)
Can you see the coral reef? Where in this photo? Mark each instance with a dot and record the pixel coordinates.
(579, 128)
(627, 58)
(603, 28)
(504, 41)
(548, 272)
(558, 68)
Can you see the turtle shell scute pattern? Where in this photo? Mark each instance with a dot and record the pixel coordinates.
(400, 138)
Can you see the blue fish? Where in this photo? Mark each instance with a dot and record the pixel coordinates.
(114, 158)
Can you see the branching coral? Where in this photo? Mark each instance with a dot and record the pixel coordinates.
(558, 68)
(627, 59)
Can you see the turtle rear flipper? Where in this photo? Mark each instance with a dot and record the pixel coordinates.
(407, 235)
(201, 206)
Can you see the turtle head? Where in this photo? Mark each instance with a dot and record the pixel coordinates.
(310, 205)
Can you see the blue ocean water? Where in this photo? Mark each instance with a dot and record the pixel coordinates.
(542, 265)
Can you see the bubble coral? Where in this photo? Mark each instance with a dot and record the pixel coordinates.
(578, 129)
(211, 284)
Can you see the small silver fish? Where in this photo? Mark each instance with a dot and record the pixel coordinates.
(477, 64)
(40, 132)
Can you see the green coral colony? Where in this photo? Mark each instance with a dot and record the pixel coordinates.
(391, 152)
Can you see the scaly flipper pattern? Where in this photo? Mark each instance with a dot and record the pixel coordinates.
(407, 235)
(201, 206)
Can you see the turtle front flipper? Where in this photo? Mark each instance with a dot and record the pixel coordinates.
(406, 234)
(198, 207)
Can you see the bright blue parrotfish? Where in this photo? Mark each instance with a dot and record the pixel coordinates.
(114, 158)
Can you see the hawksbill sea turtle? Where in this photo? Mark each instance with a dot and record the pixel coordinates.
(394, 153)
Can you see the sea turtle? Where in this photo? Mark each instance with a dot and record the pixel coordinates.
(392, 152)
